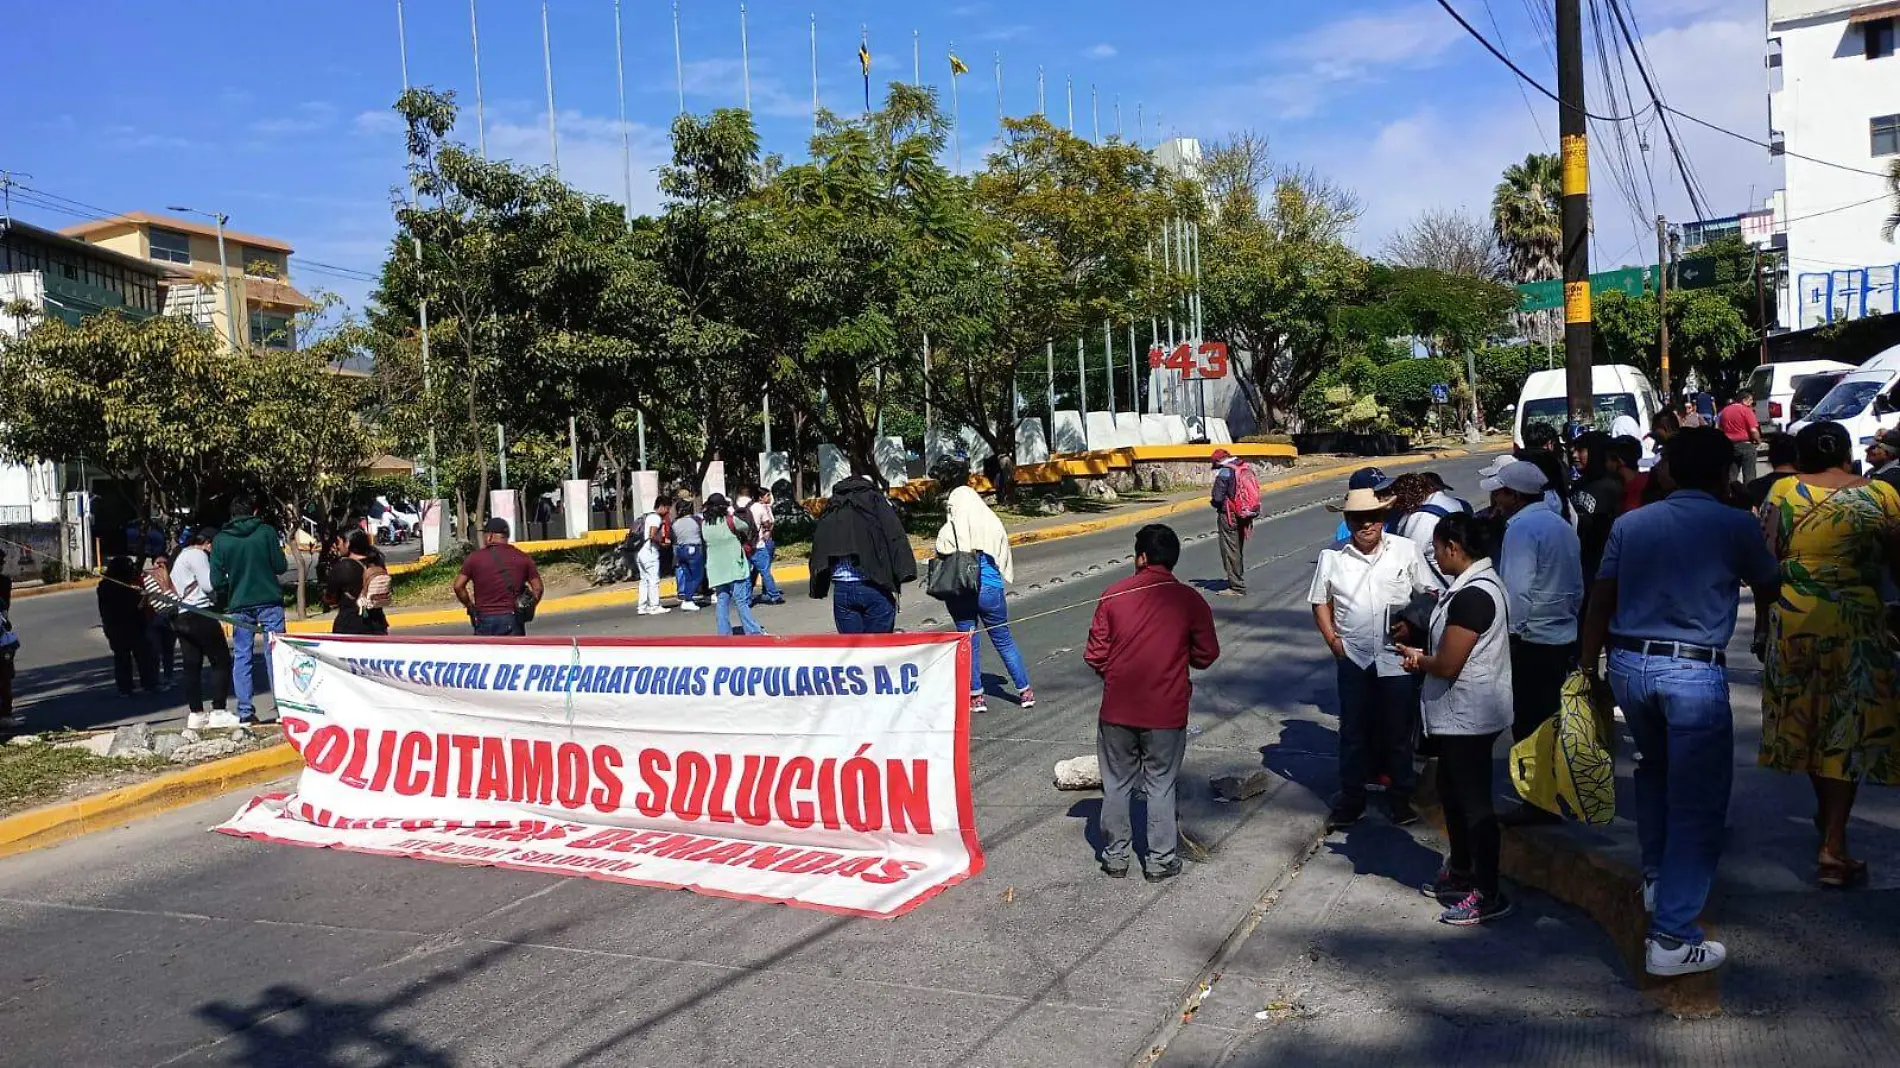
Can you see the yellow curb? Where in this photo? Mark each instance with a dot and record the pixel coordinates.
(57, 587)
(39, 827)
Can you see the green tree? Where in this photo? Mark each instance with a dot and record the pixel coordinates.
(1706, 333)
(1892, 224)
(1527, 216)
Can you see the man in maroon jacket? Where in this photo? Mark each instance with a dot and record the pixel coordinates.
(1149, 629)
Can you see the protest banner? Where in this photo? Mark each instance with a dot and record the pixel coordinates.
(828, 772)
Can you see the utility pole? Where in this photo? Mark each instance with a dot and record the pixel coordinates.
(1573, 128)
(1662, 304)
(1761, 307)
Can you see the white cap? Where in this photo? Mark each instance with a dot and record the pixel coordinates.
(1519, 476)
(1500, 463)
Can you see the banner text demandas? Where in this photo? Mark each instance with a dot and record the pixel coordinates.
(737, 680)
(798, 792)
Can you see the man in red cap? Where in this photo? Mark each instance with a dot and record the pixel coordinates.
(1236, 501)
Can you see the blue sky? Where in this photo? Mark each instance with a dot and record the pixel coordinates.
(278, 114)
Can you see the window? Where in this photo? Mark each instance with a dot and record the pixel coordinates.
(272, 331)
(170, 246)
(1886, 135)
(1877, 34)
(261, 263)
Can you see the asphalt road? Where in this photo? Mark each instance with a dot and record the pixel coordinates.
(162, 944)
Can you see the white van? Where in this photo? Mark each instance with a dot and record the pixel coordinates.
(1775, 386)
(1866, 400)
(1618, 389)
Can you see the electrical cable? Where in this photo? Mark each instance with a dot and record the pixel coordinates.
(1517, 70)
(1698, 202)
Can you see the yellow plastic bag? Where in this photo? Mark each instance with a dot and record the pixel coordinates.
(1565, 766)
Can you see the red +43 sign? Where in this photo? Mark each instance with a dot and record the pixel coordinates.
(1208, 361)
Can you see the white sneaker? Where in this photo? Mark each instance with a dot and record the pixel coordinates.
(643, 610)
(1649, 895)
(217, 721)
(195, 721)
(1686, 959)
(658, 610)
(688, 606)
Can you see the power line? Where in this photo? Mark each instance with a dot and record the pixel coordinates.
(1517, 70)
(1522, 95)
(1697, 200)
(1764, 144)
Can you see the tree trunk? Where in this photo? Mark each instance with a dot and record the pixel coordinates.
(296, 556)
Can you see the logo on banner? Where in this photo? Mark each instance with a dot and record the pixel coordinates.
(303, 672)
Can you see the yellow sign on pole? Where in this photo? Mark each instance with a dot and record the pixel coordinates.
(1576, 302)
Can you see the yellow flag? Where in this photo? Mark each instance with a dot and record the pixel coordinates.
(864, 59)
(957, 66)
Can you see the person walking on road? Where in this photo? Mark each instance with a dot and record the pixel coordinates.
(971, 527)
(728, 568)
(1149, 630)
(126, 622)
(1664, 605)
(654, 532)
(1236, 501)
(1830, 693)
(1466, 705)
(1738, 423)
(861, 557)
(689, 554)
(491, 583)
(1358, 591)
(200, 634)
(246, 558)
(765, 550)
(1541, 563)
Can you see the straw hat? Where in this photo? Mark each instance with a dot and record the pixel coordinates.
(1360, 500)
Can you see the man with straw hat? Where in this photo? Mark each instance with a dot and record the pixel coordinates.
(1358, 591)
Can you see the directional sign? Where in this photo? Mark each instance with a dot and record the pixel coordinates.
(1701, 272)
(1547, 296)
(1441, 393)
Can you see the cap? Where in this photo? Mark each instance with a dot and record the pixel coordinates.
(496, 525)
(1438, 480)
(1222, 454)
(1518, 476)
(1369, 478)
(1888, 439)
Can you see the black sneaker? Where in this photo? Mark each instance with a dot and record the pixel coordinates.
(1172, 869)
(1114, 872)
(1476, 908)
(1401, 811)
(1345, 814)
(1448, 886)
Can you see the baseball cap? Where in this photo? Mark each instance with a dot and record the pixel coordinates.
(1519, 476)
(1888, 439)
(1221, 454)
(496, 525)
(1369, 478)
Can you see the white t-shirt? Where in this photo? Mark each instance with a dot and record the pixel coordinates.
(651, 525)
(191, 576)
(1365, 591)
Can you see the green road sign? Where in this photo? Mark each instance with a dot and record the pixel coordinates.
(1547, 296)
(1701, 272)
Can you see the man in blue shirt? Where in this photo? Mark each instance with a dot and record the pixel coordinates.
(1664, 603)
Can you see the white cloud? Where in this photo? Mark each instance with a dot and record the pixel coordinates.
(1103, 51)
(379, 123)
(308, 117)
(721, 82)
(590, 152)
(1006, 33)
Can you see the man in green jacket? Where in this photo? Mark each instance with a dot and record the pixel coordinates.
(246, 558)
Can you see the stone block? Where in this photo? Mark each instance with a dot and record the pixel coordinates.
(1032, 447)
(577, 505)
(1217, 432)
(975, 448)
(642, 488)
(1070, 433)
(1242, 787)
(1078, 773)
(1176, 428)
(833, 467)
(1154, 430)
(776, 468)
(1128, 429)
(166, 743)
(1101, 430)
(210, 749)
(893, 460)
(505, 504)
(133, 739)
(714, 482)
(96, 744)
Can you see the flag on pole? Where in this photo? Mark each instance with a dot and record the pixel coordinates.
(957, 66)
(864, 63)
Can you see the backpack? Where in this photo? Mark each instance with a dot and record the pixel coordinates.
(375, 589)
(1245, 501)
(747, 534)
(637, 534)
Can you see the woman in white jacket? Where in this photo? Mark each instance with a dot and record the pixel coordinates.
(1467, 704)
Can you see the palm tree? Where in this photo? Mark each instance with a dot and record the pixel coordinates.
(1527, 216)
(1893, 188)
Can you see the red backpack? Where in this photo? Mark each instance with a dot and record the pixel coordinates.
(1245, 501)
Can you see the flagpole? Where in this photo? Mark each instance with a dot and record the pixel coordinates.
(1095, 113)
(547, 66)
(999, 89)
(1118, 116)
(626, 178)
(1042, 102)
(679, 68)
(1141, 128)
(745, 66)
(814, 72)
(916, 59)
(422, 304)
(475, 45)
(1071, 91)
(864, 52)
(956, 111)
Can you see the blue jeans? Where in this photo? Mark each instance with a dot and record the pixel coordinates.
(689, 570)
(1678, 713)
(861, 608)
(990, 609)
(739, 594)
(1375, 730)
(762, 555)
(499, 626)
(265, 617)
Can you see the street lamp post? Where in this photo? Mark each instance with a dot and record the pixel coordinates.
(218, 220)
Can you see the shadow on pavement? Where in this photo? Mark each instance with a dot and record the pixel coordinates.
(83, 695)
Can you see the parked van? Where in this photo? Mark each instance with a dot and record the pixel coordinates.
(1776, 384)
(1866, 400)
(1618, 390)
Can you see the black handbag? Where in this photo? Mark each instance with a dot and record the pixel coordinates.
(959, 574)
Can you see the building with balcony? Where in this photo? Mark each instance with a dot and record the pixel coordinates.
(250, 281)
(1834, 119)
(68, 279)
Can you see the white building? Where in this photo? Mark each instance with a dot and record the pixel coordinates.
(1834, 117)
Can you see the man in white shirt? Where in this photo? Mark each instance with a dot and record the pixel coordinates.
(759, 510)
(200, 636)
(1541, 564)
(655, 531)
(1359, 589)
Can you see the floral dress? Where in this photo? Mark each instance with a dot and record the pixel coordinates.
(1829, 692)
